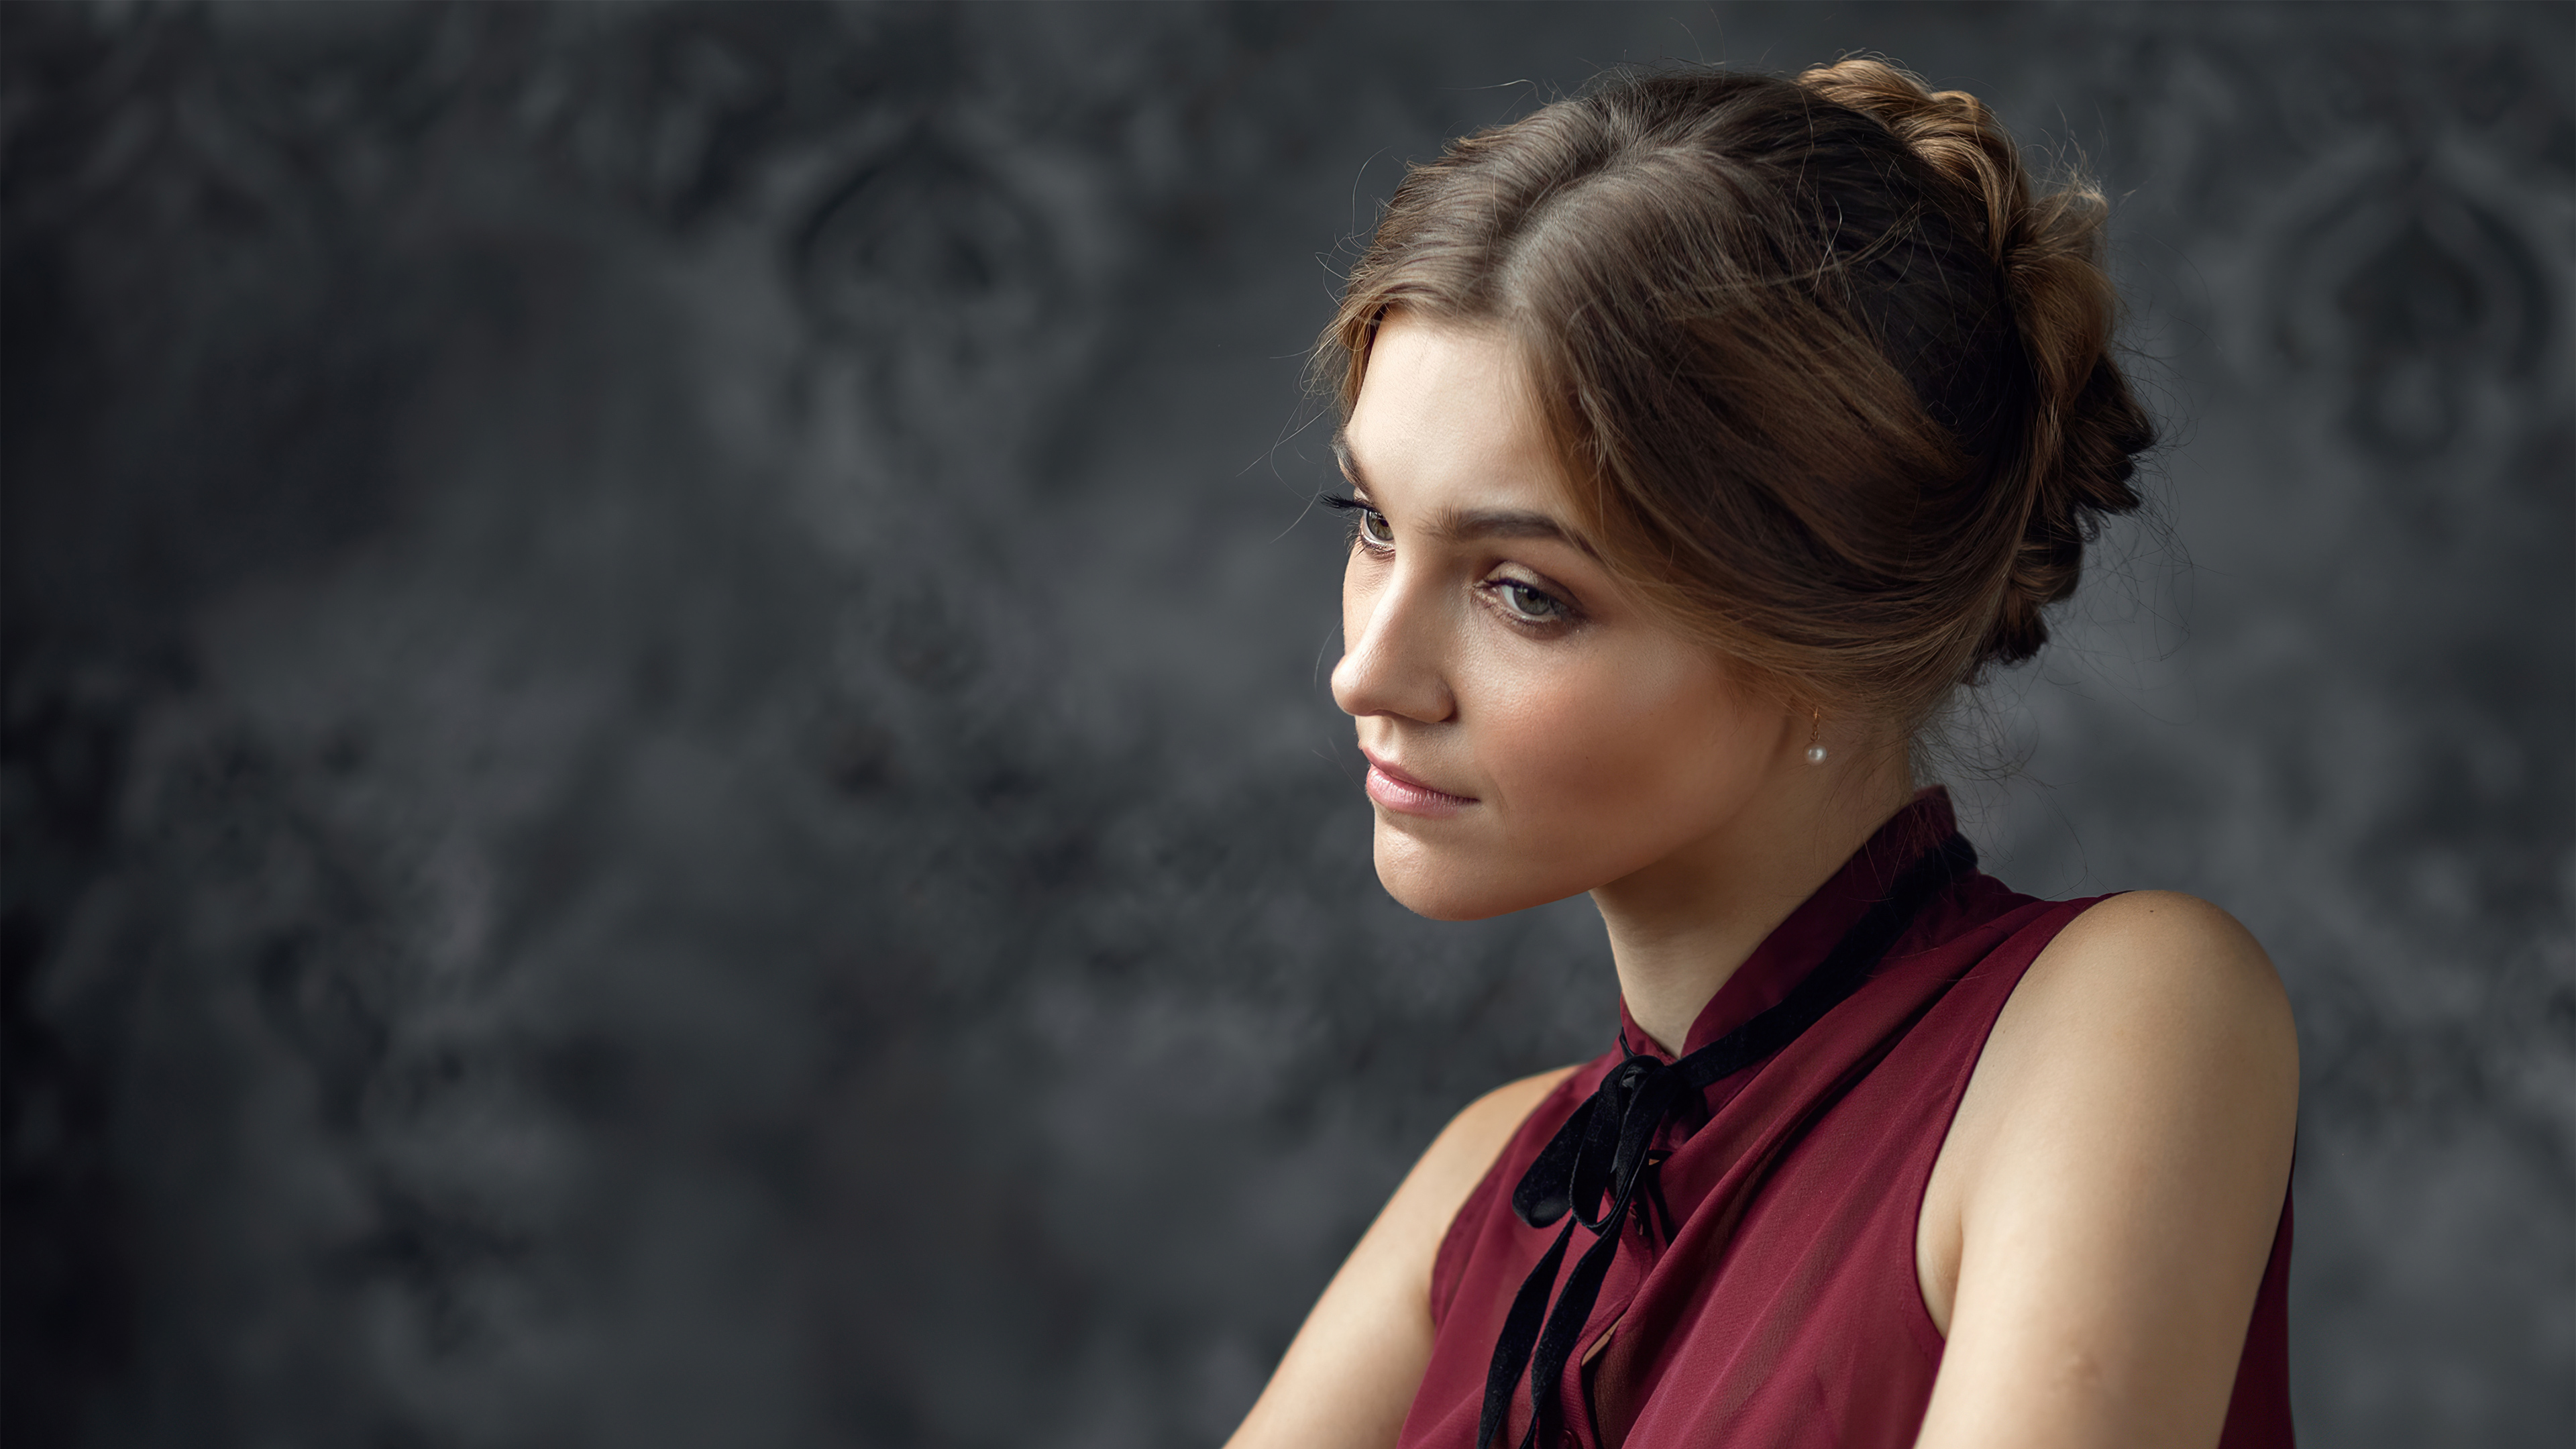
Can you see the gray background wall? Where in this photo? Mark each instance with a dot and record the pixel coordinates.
(668, 777)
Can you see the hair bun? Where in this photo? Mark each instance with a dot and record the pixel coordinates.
(2085, 427)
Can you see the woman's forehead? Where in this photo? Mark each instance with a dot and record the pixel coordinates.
(1444, 418)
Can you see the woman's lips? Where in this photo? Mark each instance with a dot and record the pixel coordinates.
(1402, 793)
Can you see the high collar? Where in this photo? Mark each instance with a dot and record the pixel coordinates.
(1795, 946)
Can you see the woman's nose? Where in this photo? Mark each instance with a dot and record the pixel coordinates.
(1393, 659)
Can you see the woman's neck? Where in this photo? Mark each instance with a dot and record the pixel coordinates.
(1680, 928)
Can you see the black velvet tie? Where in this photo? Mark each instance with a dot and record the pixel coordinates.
(1605, 1150)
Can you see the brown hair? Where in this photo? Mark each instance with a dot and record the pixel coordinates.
(1834, 389)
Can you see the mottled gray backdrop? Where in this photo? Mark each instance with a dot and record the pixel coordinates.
(668, 772)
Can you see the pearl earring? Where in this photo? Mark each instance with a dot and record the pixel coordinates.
(1815, 752)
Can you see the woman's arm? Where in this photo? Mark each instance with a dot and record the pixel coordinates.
(2110, 1187)
(1350, 1373)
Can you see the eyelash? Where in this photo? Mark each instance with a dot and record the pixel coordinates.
(1360, 516)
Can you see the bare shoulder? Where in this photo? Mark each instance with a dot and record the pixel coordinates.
(2153, 973)
(2111, 1185)
(2175, 927)
(1417, 1218)
(1405, 1240)
(2149, 1005)
(2153, 1017)
(1353, 1367)
(1465, 1149)
(1406, 1237)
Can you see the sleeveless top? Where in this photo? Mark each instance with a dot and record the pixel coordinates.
(1778, 1305)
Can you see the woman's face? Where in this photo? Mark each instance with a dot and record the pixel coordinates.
(1532, 731)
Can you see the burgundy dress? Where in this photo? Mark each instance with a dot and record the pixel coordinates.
(1772, 1300)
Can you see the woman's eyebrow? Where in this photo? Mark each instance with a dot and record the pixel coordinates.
(1470, 524)
(1464, 525)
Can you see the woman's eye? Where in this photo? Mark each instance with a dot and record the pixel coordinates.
(1529, 605)
(1374, 530)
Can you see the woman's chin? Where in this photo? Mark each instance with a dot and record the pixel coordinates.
(1434, 885)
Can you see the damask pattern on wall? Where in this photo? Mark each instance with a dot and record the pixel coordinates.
(667, 779)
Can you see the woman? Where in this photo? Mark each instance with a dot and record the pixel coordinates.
(1705, 433)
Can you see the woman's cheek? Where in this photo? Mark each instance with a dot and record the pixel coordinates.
(1568, 740)
(1617, 746)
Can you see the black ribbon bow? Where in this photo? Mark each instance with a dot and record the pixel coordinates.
(1606, 1149)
